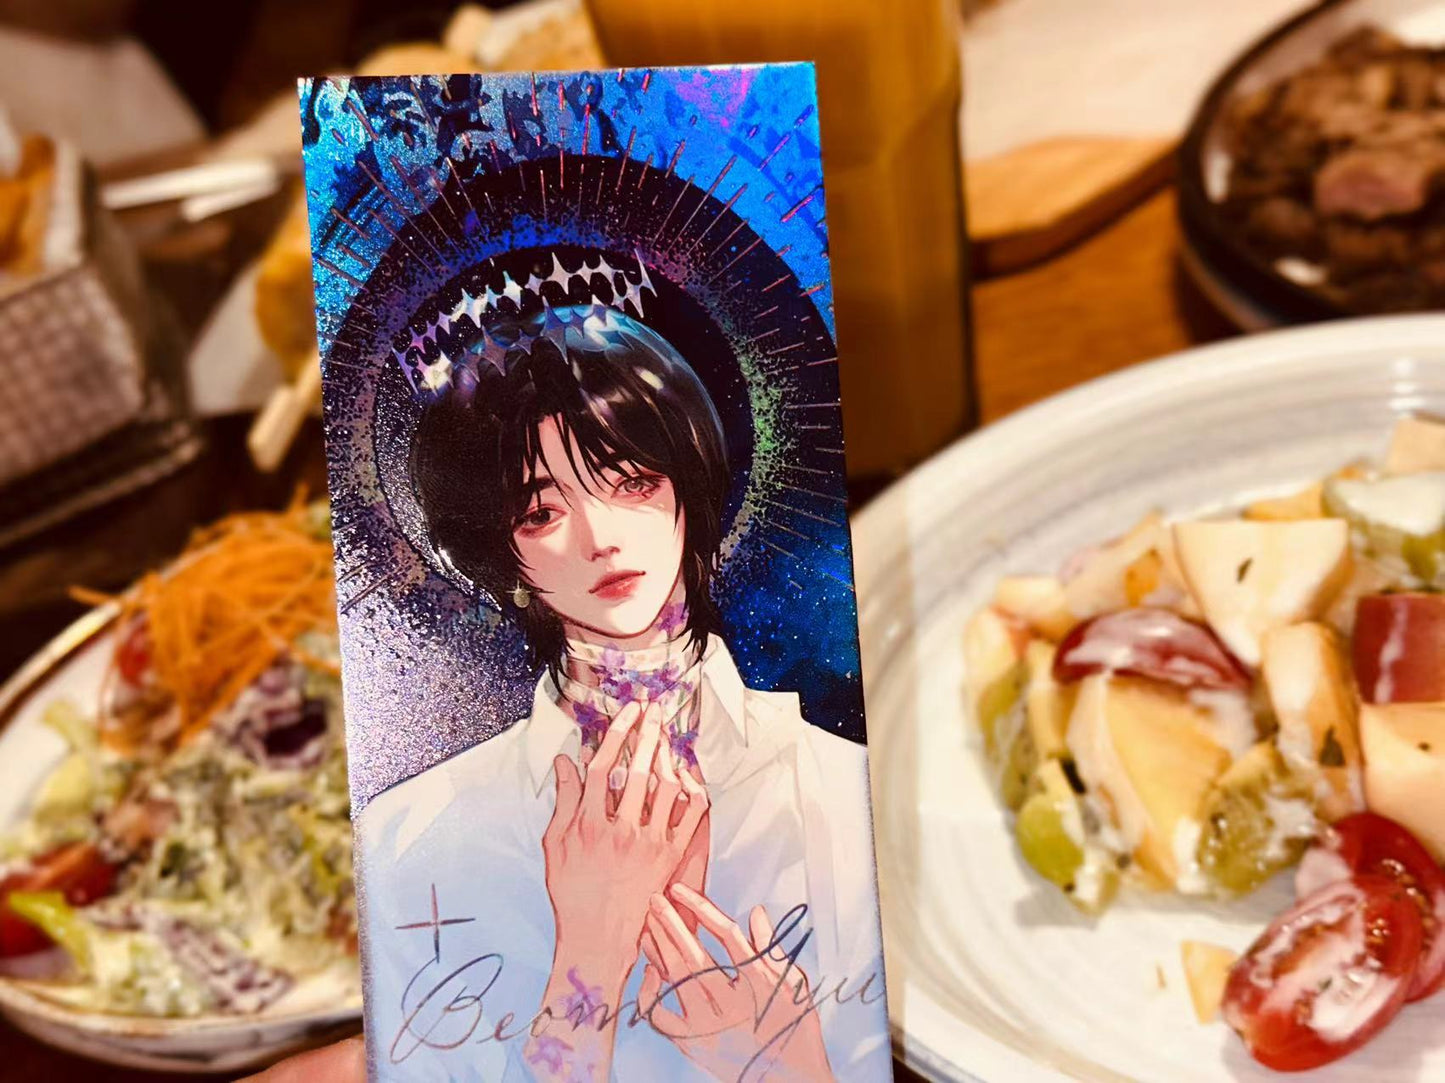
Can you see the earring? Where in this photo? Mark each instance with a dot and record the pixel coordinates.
(521, 596)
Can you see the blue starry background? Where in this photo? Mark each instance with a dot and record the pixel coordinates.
(709, 180)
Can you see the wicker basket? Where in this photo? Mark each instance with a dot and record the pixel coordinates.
(72, 359)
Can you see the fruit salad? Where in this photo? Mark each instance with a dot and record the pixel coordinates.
(1196, 705)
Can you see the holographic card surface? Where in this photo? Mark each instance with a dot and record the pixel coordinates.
(599, 637)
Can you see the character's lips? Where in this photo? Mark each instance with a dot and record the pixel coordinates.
(617, 584)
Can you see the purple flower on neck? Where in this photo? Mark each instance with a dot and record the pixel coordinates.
(681, 742)
(592, 722)
(613, 658)
(657, 682)
(673, 618)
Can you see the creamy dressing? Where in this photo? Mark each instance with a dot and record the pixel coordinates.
(1319, 868)
(1390, 653)
(1335, 973)
(1190, 878)
(1291, 819)
(1233, 727)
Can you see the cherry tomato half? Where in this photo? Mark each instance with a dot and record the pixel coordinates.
(1369, 843)
(76, 870)
(1327, 975)
(1146, 642)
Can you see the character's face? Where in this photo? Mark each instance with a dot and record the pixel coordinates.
(604, 553)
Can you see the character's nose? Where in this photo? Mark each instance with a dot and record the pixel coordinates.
(602, 552)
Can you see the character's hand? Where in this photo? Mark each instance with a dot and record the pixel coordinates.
(602, 868)
(751, 1020)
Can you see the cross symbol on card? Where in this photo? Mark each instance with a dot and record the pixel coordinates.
(435, 925)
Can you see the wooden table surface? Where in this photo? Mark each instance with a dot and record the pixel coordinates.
(1116, 299)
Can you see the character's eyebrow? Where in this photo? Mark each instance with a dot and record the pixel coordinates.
(538, 484)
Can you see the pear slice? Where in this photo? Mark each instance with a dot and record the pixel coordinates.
(1148, 752)
(1313, 698)
(1249, 577)
(1404, 746)
(1416, 445)
(1206, 969)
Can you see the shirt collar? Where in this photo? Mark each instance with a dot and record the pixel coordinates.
(550, 731)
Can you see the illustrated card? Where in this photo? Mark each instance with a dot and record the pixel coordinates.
(599, 636)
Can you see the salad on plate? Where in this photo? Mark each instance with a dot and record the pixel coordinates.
(1197, 705)
(191, 853)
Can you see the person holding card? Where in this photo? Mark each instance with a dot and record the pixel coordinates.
(650, 794)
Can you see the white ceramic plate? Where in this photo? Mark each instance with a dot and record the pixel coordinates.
(992, 975)
(317, 1007)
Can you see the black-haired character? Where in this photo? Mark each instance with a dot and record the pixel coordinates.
(581, 482)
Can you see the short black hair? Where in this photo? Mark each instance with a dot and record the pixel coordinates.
(628, 400)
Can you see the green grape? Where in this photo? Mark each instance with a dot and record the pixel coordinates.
(1018, 768)
(997, 701)
(1045, 843)
(1395, 519)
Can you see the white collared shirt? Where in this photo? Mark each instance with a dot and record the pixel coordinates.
(790, 825)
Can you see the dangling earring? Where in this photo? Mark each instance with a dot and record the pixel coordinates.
(521, 596)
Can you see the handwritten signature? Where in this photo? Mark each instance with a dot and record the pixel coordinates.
(443, 1006)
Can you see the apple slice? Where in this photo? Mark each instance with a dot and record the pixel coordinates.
(993, 643)
(1139, 568)
(1037, 600)
(1309, 688)
(1397, 519)
(1416, 445)
(1404, 745)
(1306, 504)
(1149, 753)
(1399, 648)
(1206, 969)
(1249, 577)
(1046, 702)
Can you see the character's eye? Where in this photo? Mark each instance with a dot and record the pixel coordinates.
(639, 485)
(539, 517)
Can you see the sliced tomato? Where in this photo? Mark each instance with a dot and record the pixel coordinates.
(1149, 642)
(1327, 975)
(1370, 843)
(133, 654)
(77, 871)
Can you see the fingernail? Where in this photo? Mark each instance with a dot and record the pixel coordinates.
(679, 891)
(659, 904)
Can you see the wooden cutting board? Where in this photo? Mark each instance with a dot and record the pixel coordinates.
(1072, 111)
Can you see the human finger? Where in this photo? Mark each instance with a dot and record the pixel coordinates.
(569, 796)
(669, 788)
(663, 951)
(649, 1005)
(344, 1062)
(697, 806)
(729, 935)
(639, 772)
(594, 791)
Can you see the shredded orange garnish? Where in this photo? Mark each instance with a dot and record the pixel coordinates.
(239, 596)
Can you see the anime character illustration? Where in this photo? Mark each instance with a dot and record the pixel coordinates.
(612, 798)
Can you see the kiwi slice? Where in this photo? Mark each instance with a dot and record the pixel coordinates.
(1258, 818)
